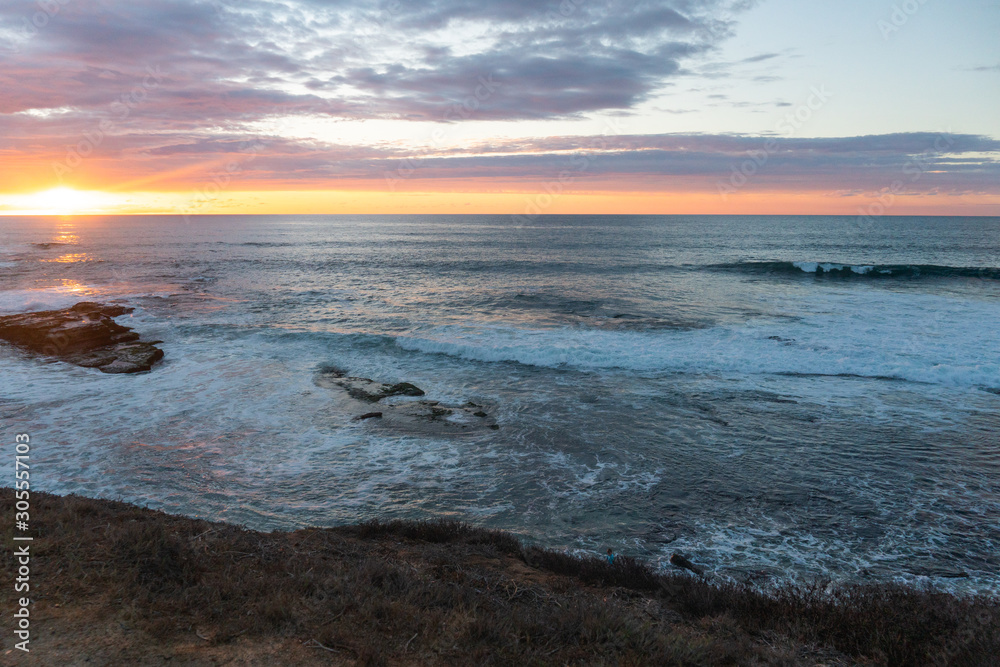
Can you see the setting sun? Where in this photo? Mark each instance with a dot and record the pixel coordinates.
(58, 201)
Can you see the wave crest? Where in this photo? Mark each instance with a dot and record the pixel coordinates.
(872, 271)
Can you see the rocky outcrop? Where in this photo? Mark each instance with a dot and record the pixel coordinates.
(397, 411)
(371, 391)
(85, 335)
(680, 561)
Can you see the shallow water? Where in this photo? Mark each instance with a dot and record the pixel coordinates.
(691, 384)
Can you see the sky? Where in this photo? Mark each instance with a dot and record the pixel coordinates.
(856, 107)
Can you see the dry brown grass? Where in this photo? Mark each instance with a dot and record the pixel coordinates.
(124, 585)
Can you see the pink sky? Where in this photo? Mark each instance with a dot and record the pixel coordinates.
(447, 106)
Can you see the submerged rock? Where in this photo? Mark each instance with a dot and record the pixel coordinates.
(85, 335)
(398, 413)
(364, 389)
(680, 561)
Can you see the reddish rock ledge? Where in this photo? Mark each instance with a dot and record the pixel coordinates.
(85, 335)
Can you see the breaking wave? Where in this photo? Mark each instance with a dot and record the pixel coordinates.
(858, 271)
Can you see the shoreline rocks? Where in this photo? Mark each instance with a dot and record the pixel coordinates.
(85, 335)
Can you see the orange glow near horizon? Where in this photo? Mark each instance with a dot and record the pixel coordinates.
(64, 201)
(57, 201)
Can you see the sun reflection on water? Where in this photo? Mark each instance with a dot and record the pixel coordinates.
(70, 258)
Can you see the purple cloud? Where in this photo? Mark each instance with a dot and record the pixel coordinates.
(387, 61)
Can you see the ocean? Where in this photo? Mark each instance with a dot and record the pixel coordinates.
(779, 398)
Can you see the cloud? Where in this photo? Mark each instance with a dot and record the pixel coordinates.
(760, 57)
(648, 162)
(941, 162)
(164, 92)
(232, 61)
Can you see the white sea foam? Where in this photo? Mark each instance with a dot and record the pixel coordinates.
(230, 433)
(812, 267)
(55, 298)
(784, 551)
(27, 300)
(927, 340)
